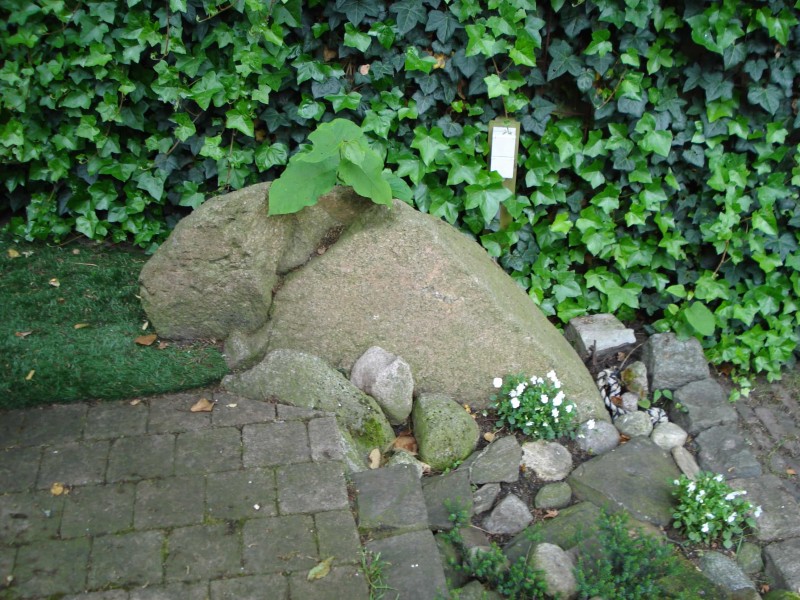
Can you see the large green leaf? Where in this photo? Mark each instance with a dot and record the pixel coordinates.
(295, 189)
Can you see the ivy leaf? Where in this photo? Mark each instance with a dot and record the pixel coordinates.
(353, 38)
(496, 87)
(152, 184)
(366, 178)
(444, 24)
(239, 118)
(415, 62)
(429, 143)
(294, 189)
(339, 102)
(409, 13)
(658, 142)
(486, 198)
(562, 60)
(356, 10)
(599, 44)
(205, 89)
(701, 319)
(270, 155)
(769, 98)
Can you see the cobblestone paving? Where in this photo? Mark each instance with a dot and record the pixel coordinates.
(160, 502)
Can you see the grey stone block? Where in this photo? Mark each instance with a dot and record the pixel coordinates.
(208, 451)
(510, 516)
(724, 450)
(141, 457)
(253, 586)
(603, 332)
(114, 419)
(342, 582)
(549, 461)
(232, 410)
(64, 562)
(127, 559)
(484, 497)
(326, 439)
(390, 500)
(12, 424)
(445, 493)
(97, 509)
(174, 591)
(779, 509)
(73, 463)
(672, 363)
(272, 444)
(18, 468)
(241, 495)
(783, 564)
(498, 462)
(172, 414)
(414, 567)
(704, 405)
(337, 536)
(311, 487)
(724, 572)
(279, 544)
(29, 516)
(203, 552)
(53, 425)
(167, 502)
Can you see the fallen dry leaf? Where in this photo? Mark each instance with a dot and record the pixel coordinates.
(321, 570)
(145, 325)
(364, 70)
(13, 253)
(426, 468)
(407, 443)
(22, 334)
(231, 405)
(441, 61)
(146, 340)
(202, 405)
(791, 472)
(328, 54)
(489, 436)
(163, 345)
(374, 458)
(765, 588)
(76, 251)
(80, 325)
(550, 514)
(54, 282)
(57, 489)
(30, 375)
(623, 438)
(135, 402)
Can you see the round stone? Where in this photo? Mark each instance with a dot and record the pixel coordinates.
(553, 495)
(597, 437)
(668, 436)
(547, 460)
(634, 424)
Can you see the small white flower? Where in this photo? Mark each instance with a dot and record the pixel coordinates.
(675, 482)
(497, 382)
(757, 512)
(569, 408)
(558, 399)
(690, 487)
(513, 394)
(709, 516)
(515, 403)
(554, 412)
(733, 495)
(704, 528)
(731, 518)
(719, 477)
(529, 424)
(590, 424)
(521, 388)
(551, 375)
(545, 399)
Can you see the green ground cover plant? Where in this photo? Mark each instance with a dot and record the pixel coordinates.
(69, 318)
(658, 173)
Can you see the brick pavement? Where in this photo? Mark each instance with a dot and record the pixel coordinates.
(161, 502)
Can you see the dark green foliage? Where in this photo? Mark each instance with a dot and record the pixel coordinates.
(631, 565)
(96, 291)
(658, 172)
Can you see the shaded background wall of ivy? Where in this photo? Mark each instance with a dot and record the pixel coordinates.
(658, 173)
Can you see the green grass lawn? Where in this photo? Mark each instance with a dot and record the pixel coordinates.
(69, 318)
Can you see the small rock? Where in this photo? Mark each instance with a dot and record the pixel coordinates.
(686, 462)
(749, 558)
(602, 333)
(406, 458)
(630, 402)
(634, 424)
(558, 568)
(445, 432)
(484, 497)
(634, 379)
(668, 435)
(387, 378)
(597, 437)
(510, 516)
(783, 564)
(724, 572)
(498, 462)
(672, 363)
(550, 461)
(724, 450)
(553, 495)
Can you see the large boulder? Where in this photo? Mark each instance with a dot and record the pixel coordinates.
(396, 278)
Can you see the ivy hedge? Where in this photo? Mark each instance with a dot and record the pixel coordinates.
(659, 163)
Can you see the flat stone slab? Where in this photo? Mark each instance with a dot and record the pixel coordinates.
(414, 568)
(601, 333)
(778, 518)
(783, 564)
(672, 363)
(724, 450)
(444, 494)
(498, 462)
(704, 405)
(390, 501)
(636, 476)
